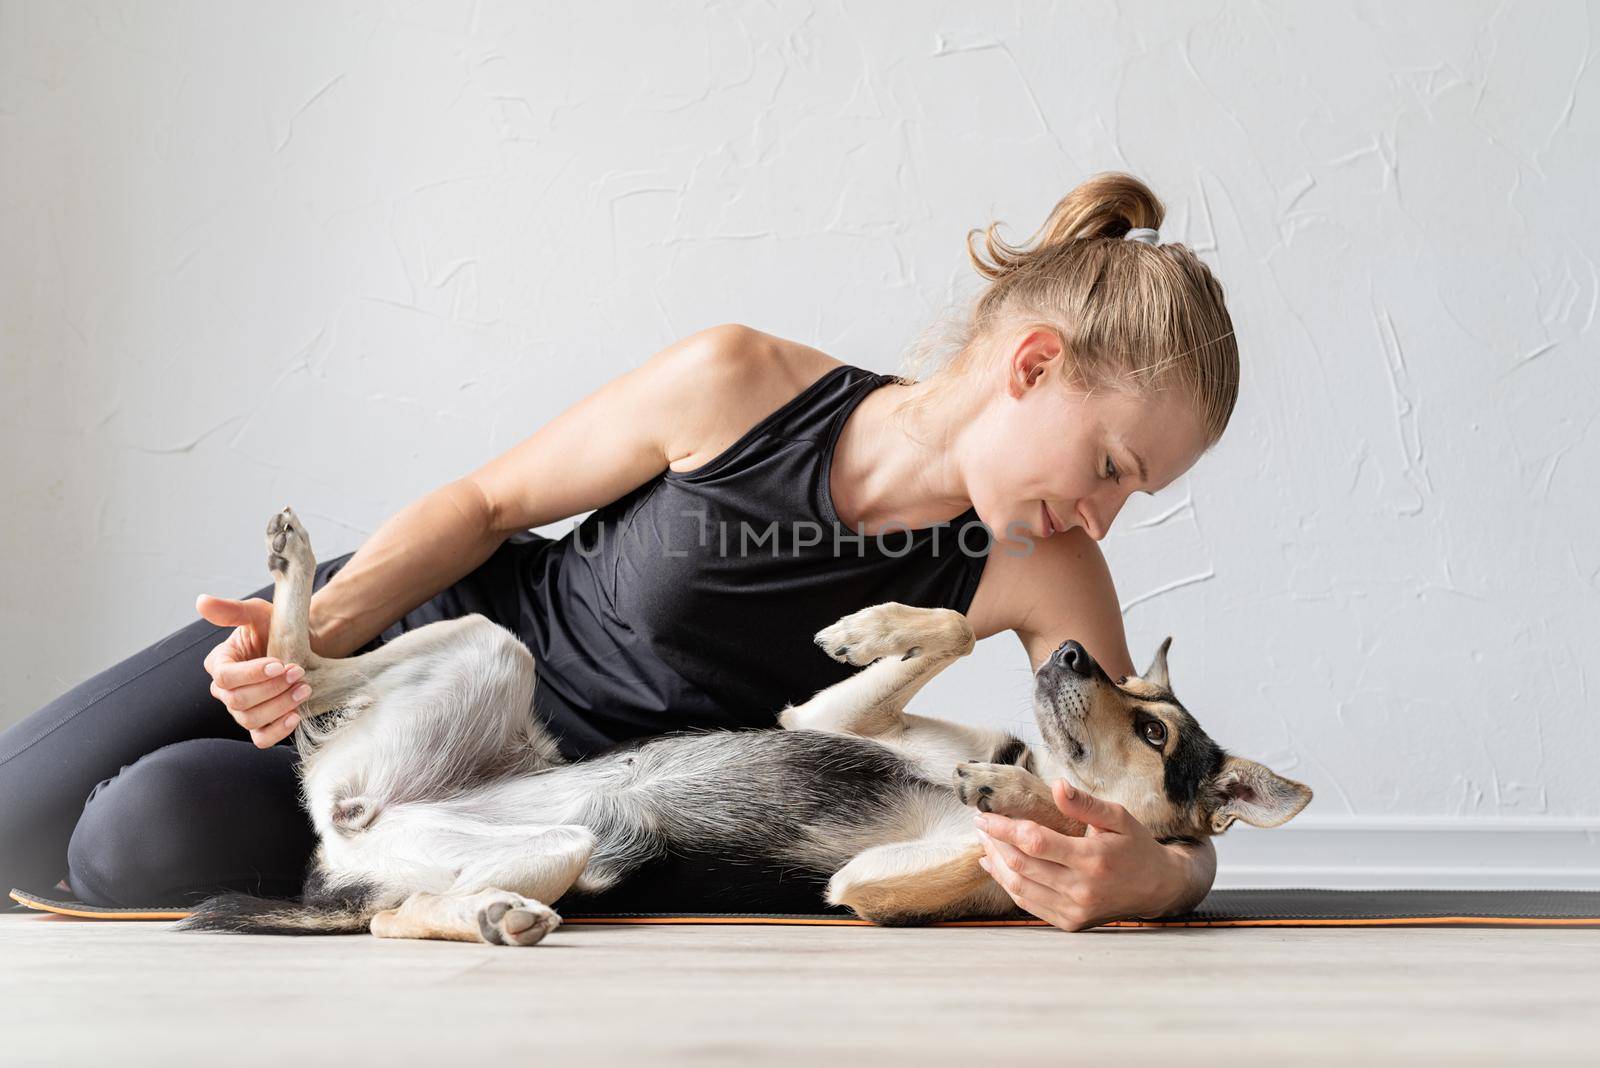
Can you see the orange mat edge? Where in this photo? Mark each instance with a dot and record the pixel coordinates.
(61, 909)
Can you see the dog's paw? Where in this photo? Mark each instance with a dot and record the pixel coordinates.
(288, 546)
(506, 919)
(1002, 788)
(894, 629)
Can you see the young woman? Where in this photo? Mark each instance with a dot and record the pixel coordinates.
(747, 491)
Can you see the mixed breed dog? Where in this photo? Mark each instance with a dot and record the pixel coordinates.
(444, 809)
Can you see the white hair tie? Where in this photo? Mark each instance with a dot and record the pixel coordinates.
(1144, 234)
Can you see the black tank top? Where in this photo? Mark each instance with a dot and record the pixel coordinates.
(691, 600)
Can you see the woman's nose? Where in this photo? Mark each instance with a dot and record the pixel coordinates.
(1097, 517)
(1093, 525)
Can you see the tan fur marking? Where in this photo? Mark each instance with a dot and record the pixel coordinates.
(1137, 687)
(955, 888)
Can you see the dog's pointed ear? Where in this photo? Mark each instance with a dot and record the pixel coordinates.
(1156, 673)
(1256, 794)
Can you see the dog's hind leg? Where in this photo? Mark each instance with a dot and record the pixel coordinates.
(497, 917)
(916, 882)
(499, 894)
(459, 690)
(938, 877)
(905, 648)
(539, 862)
(334, 684)
(293, 566)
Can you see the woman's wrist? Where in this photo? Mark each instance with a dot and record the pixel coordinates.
(1193, 869)
(328, 630)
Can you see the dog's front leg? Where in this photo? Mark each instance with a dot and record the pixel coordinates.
(903, 648)
(1011, 791)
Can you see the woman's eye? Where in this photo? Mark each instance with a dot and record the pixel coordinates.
(1155, 732)
(1111, 469)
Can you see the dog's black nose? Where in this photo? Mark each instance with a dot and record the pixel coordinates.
(1075, 657)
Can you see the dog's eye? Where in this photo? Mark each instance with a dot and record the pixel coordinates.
(1153, 731)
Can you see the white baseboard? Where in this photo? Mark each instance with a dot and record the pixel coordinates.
(1434, 853)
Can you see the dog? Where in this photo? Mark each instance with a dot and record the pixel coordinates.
(444, 809)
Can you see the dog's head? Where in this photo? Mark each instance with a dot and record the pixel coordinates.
(1132, 742)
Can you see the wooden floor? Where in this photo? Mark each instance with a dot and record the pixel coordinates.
(118, 994)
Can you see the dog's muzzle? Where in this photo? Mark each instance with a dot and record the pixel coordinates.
(1070, 656)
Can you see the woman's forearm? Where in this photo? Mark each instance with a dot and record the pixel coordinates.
(1199, 866)
(420, 550)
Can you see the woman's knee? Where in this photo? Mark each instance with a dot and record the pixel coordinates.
(190, 819)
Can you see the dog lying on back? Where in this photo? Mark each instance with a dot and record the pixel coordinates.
(445, 810)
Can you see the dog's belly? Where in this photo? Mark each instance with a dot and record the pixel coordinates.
(798, 798)
(802, 801)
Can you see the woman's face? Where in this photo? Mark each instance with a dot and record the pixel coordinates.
(1044, 458)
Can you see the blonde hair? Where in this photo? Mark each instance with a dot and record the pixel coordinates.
(1129, 315)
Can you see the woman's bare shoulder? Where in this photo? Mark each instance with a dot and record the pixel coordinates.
(741, 374)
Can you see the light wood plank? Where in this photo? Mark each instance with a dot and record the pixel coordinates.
(76, 992)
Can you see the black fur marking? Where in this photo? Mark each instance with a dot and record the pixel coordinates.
(317, 890)
(322, 724)
(844, 778)
(807, 786)
(1012, 751)
(1194, 760)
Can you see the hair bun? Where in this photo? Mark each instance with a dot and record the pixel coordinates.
(1107, 205)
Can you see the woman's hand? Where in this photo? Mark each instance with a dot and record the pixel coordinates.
(260, 692)
(1116, 870)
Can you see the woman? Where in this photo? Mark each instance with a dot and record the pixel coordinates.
(723, 473)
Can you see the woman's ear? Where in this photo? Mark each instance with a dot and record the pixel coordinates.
(1036, 351)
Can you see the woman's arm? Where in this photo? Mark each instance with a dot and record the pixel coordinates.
(618, 437)
(1197, 872)
(676, 404)
(418, 551)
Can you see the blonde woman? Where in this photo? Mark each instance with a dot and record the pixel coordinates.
(747, 491)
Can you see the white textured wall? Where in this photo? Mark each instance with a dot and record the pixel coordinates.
(338, 254)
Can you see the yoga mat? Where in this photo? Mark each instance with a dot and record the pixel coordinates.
(1222, 908)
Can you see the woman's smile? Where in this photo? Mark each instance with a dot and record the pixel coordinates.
(1049, 524)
